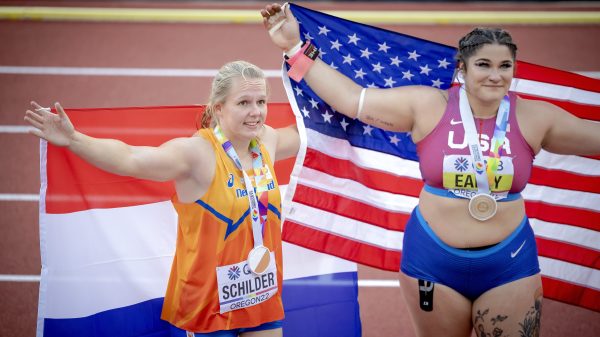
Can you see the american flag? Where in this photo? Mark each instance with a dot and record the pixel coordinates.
(355, 185)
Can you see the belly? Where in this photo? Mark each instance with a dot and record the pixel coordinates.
(449, 218)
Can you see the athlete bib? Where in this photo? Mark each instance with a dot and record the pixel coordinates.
(240, 288)
(459, 176)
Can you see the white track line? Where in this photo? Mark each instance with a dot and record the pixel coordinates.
(19, 197)
(147, 72)
(361, 283)
(19, 278)
(150, 72)
(15, 128)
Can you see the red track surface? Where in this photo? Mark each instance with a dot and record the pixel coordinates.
(205, 46)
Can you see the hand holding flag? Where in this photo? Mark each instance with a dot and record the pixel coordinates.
(55, 128)
(282, 25)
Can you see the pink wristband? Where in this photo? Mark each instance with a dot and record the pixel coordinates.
(302, 61)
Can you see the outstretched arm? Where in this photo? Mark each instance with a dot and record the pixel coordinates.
(568, 134)
(169, 161)
(390, 109)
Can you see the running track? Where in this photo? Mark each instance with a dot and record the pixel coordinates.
(81, 46)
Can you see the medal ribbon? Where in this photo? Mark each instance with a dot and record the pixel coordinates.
(260, 177)
(484, 175)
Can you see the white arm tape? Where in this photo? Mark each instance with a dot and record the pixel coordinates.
(361, 102)
(294, 49)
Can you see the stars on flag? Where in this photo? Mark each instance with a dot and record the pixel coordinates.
(389, 82)
(443, 64)
(372, 59)
(359, 73)
(407, 75)
(348, 59)
(353, 39)
(383, 47)
(335, 45)
(323, 30)
(327, 116)
(378, 67)
(394, 140)
(308, 37)
(365, 53)
(305, 112)
(437, 83)
(413, 55)
(395, 61)
(344, 123)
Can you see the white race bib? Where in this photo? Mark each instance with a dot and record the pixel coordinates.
(240, 288)
(459, 176)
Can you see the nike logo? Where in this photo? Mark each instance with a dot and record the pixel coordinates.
(513, 254)
(453, 122)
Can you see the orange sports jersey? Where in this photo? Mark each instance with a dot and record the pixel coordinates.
(216, 231)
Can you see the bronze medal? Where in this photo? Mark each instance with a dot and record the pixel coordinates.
(259, 259)
(482, 207)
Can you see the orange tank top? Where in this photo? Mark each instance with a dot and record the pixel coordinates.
(216, 231)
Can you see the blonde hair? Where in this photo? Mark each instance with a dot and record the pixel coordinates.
(221, 86)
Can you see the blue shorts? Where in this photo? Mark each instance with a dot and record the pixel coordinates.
(176, 332)
(471, 273)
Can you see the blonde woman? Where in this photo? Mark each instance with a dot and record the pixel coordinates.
(226, 276)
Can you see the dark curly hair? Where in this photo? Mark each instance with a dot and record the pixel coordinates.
(478, 37)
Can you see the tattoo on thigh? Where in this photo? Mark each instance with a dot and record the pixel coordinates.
(531, 324)
(530, 327)
(479, 324)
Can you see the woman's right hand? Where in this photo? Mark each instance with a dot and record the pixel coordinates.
(55, 128)
(282, 25)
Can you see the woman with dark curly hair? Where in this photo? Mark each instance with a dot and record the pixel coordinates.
(469, 256)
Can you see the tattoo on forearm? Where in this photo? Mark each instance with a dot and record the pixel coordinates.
(372, 120)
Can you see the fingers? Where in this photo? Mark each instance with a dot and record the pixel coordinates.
(30, 115)
(38, 109)
(276, 19)
(270, 10)
(60, 110)
(33, 121)
(35, 105)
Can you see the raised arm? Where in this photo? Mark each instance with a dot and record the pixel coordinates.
(171, 160)
(390, 109)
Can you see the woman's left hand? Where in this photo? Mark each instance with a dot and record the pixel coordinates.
(282, 25)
